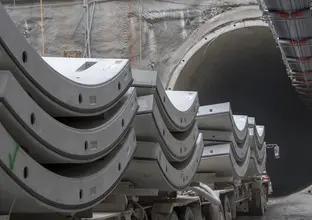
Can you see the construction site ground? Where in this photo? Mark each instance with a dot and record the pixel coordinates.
(294, 207)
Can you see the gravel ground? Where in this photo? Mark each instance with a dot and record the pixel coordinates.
(294, 207)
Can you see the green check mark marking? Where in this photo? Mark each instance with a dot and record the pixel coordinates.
(12, 157)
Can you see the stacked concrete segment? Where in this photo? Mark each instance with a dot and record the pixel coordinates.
(65, 127)
(35, 144)
(169, 144)
(258, 149)
(178, 108)
(290, 22)
(287, 5)
(234, 145)
(218, 124)
(34, 188)
(62, 86)
(51, 141)
(71, 129)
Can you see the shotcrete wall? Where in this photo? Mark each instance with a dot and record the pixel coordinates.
(193, 45)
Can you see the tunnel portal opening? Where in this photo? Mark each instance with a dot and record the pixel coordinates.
(244, 67)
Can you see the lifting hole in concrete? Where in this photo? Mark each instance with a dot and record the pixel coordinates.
(32, 118)
(80, 98)
(122, 123)
(211, 151)
(164, 132)
(119, 86)
(181, 120)
(81, 194)
(86, 145)
(24, 57)
(164, 98)
(119, 166)
(210, 110)
(309, 191)
(25, 172)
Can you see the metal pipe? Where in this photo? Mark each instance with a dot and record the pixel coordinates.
(88, 31)
(209, 190)
(207, 196)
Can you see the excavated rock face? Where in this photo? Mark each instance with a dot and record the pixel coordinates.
(240, 63)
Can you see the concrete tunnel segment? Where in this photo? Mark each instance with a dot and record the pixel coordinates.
(235, 59)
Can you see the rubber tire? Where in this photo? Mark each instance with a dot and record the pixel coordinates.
(172, 216)
(266, 197)
(233, 206)
(257, 208)
(227, 207)
(185, 213)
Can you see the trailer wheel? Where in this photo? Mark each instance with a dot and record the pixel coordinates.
(185, 213)
(258, 202)
(266, 197)
(172, 216)
(226, 207)
(233, 206)
(162, 216)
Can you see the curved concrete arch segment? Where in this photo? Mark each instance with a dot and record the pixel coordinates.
(212, 29)
(243, 66)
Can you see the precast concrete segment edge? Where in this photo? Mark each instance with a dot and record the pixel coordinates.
(219, 117)
(150, 127)
(158, 172)
(67, 193)
(44, 136)
(238, 18)
(177, 119)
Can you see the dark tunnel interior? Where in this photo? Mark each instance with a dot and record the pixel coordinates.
(244, 67)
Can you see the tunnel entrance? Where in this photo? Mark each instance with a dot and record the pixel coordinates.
(244, 67)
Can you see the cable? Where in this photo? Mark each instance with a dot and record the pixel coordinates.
(130, 2)
(11, 209)
(42, 28)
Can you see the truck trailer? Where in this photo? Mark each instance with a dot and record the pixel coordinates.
(96, 139)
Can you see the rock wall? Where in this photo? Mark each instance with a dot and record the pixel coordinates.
(148, 32)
